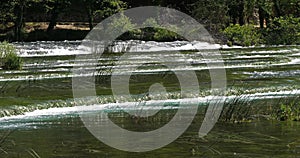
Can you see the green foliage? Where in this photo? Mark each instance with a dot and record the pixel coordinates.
(266, 5)
(56, 4)
(289, 7)
(122, 24)
(214, 15)
(289, 112)
(245, 35)
(101, 9)
(119, 25)
(283, 30)
(211, 13)
(110, 7)
(9, 60)
(157, 33)
(165, 35)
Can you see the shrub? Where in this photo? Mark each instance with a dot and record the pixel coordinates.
(283, 30)
(9, 60)
(245, 35)
(119, 25)
(165, 35)
(157, 32)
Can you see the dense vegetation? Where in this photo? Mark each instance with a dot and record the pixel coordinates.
(9, 60)
(242, 22)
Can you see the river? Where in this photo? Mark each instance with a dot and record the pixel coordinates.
(38, 112)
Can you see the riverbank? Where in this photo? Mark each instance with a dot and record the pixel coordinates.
(37, 31)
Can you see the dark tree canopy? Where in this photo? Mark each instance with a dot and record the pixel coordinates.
(215, 15)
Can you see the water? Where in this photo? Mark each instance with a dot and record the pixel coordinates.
(37, 105)
(67, 137)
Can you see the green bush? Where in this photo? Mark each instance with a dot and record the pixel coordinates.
(157, 33)
(283, 30)
(119, 25)
(245, 35)
(9, 60)
(165, 35)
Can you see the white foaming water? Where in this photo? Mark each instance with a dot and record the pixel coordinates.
(24, 121)
(47, 48)
(61, 69)
(65, 48)
(272, 74)
(53, 69)
(149, 105)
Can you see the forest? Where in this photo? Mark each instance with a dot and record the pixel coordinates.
(233, 22)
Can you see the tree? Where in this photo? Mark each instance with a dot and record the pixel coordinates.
(102, 9)
(90, 10)
(236, 11)
(265, 11)
(14, 11)
(55, 7)
(6, 13)
(249, 11)
(211, 13)
(288, 7)
(19, 19)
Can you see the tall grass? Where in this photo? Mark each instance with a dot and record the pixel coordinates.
(237, 109)
(9, 59)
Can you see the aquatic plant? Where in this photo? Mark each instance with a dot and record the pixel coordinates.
(289, 111)
(9, 59)
(237, 109)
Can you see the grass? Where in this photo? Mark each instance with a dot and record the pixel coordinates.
(242, 109)
(9, 59)
(289, 110)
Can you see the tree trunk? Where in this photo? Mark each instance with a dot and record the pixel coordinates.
(90, 17)
(53, 21)
(241, 13)
(19, 23)
(261, 17)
